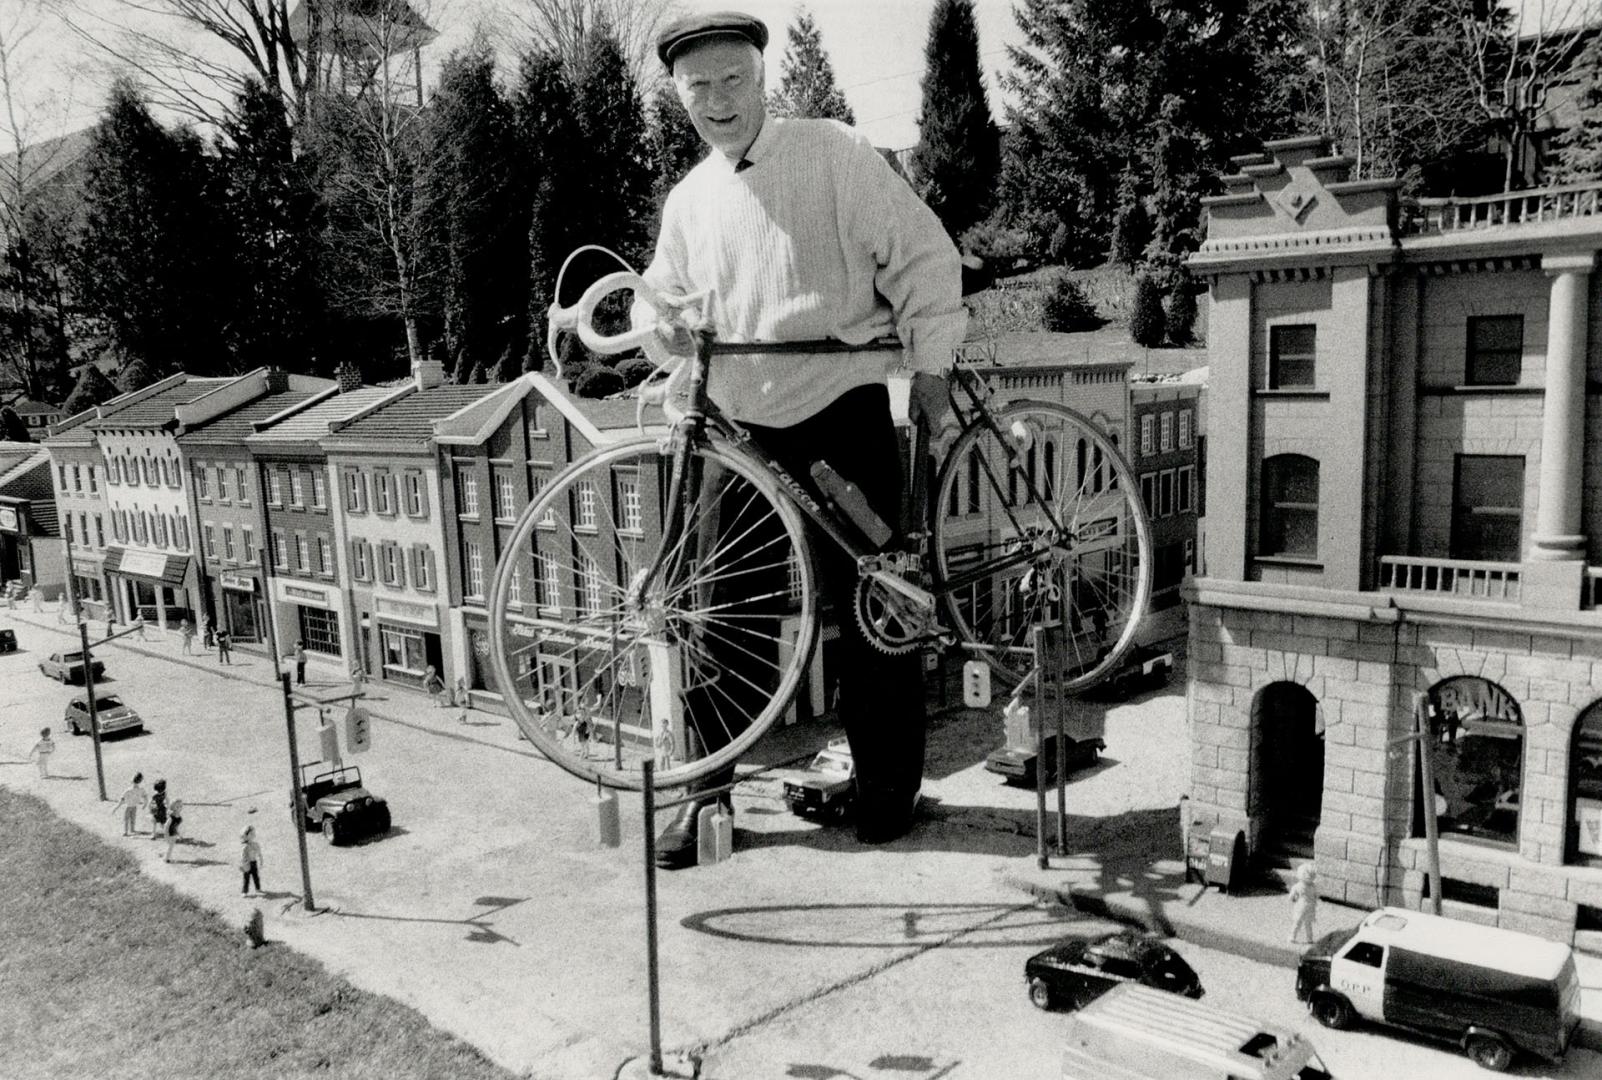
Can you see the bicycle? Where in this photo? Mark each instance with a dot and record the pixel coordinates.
(651, 557)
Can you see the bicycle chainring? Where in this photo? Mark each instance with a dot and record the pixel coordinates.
(893, 623)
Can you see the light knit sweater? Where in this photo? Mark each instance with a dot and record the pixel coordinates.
(817, 239)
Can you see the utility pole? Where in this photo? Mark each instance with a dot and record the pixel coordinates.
(89, 693)
(300, 796)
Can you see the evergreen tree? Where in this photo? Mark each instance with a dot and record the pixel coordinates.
(1179, 323)
(548, 131)
(1580, 149)
(596, 381)
(613, 207)
(510, 365)
(149, 265)
(675, 147)
(93, 389)
(1146, 319)
(12, 429)
(1131, 232)
(958, 156)
(478, 374)
(275, 316)
(806, 78)
(135, 375)
(479, 207)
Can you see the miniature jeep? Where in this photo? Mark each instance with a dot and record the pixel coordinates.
(338, 805)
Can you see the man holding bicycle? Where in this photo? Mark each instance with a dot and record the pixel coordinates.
(802, 233)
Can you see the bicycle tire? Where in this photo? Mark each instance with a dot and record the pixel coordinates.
(655, 680)
(1104, 575)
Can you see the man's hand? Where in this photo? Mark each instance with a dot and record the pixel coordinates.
(930, 401)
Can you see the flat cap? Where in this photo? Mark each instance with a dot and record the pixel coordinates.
(689, 30)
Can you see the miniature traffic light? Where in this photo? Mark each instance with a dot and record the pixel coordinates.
(328, 740)
(358, 729)
(976, 684)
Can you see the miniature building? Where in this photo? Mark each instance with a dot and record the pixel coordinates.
(1404, 518)
(30, 540)
(1164, 449)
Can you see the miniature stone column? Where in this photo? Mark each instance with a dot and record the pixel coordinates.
(1558, 539)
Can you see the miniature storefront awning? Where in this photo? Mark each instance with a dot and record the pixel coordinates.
(152, 565)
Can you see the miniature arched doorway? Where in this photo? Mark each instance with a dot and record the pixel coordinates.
(1583, 844)
(1287, 766)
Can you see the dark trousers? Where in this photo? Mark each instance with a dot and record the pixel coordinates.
(881, 697)
(300, 672)
(252, 875)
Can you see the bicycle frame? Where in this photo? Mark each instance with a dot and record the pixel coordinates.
(702, 412)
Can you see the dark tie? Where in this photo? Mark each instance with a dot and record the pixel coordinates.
(743, 164)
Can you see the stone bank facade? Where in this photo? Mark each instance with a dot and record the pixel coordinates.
(1404, 520)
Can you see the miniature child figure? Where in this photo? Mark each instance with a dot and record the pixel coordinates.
(42, 751)
(434, 687)
(1304, 903)
(158, 809)
(37, 596)
(249, 860)
(358, 677)
(132, 801)
(187, 633)
(174, 819)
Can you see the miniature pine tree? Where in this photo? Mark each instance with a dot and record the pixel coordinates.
(1180, 324)
(1146, 319)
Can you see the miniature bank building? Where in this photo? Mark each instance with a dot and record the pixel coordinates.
(1405, 516)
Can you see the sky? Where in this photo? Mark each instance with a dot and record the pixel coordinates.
(875, 46)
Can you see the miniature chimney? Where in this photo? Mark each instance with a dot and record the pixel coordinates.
(428, 373)
(277, 380)
(348, 376)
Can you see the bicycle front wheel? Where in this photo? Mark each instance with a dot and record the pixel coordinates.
(637, 616)
(1039, 522)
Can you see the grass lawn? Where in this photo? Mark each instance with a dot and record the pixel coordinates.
(106, 974)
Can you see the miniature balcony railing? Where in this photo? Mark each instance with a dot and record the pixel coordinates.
(1469, 579)
(1536, 206)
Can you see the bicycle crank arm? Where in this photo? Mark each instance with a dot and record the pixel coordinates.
(896, 583)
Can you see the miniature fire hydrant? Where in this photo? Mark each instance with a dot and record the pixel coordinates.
(1304, 903)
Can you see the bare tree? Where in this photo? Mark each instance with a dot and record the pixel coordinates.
(563, 27)
(33, 218)
(372, 137)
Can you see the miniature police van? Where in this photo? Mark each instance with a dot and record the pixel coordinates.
(1493, 992)
(1134, 1032)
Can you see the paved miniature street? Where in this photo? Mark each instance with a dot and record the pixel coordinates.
(491, 909)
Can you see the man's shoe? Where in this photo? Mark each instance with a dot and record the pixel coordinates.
(883, 816)
(677, 845)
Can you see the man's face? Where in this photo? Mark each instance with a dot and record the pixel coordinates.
(720, 84)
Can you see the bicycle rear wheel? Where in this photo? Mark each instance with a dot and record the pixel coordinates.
(633, 619)
(1044, 480)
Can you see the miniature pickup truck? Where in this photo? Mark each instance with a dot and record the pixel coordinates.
(339, 805)
(827, 787)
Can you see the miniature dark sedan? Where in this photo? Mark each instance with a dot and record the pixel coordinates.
(339, 805)
(1076, 972)
(68, 667)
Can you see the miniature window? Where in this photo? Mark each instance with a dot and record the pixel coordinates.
(473, 569)
(505, 499)
(325, 556)
(1147, 443)
(536, 421)
(423, 568)
(202, 487)
(1185, 417)
(586, 505)
(383, 492)
(100, 531)
(1148, 493)
(1477, 753)
(247, 541)
(592, 586)
(302, 553)
(355, 491)
(319, 629)
(538, 481)
(77, 478)
(1291, 351)
(1165, 493)
(1585, 789)
(974, 468)
(358, 560)
(1289, 521)
(241, 488)
(183, 533)
(1495, 350)
(467, 493)
(1488, 507)
(416, 495)
(222, 484)
(1185, 485)
(228, 543)
(297, 491)
(628, 497)
(280, 553)
(208, 533)
(275, 490)
(514, 591)
(550, 584)
(1165, 439)
(319, 491)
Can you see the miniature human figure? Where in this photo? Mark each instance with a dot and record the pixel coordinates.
(249, 861)
(1184, 833)
(463, 698)
(358, 677)
(300, 663)
(139, 624)
(174, 819)
(158, 809)
(41, 752)
(187, 633)
(225, 647)
(206, 632)
(132, 801)
(1304, 903)
(37, 596)
(434, 687)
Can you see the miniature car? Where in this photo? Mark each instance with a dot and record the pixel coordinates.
(111, 715)
(1017, 763)
(1076, 972)
(1143, 667)
(8, 640)
(68, 667)
(339, 805)
(827, 787)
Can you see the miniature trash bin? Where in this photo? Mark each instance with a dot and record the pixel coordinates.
(1226, 858)
(715, 834)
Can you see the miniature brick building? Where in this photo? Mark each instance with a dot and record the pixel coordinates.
(1404, 517)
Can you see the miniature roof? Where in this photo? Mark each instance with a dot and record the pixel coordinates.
(157, 410)
(311, 424)
(410, 419)
(35, 408)
(232, 428)
(16, 458)
(1468, 943)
